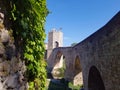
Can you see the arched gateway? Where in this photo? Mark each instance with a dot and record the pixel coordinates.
(95, 81)
(78, 78)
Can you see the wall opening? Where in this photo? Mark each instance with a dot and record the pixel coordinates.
(60, 66)
(95, 81)
(56, 44)
(78, 77)
(77, 65)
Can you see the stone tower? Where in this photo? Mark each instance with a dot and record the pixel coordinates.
(55, 39)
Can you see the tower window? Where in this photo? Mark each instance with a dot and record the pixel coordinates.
(56, 44)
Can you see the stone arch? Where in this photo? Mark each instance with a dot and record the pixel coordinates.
(78, 77)
(56, 44)
(77, 65)
(95, 81)
(58, 59)
(60, 66)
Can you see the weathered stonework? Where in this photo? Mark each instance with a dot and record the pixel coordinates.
(12, 68)
(99, 57)
(55, 39)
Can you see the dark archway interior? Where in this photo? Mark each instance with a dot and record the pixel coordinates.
(56, 44)
(95, 81)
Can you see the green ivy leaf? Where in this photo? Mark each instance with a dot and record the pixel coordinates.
(28, 25)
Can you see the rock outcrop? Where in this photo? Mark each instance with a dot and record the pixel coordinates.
(12, 68)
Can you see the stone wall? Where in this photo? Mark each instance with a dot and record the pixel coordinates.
(102, 51)
(99, 57)
(12, 68)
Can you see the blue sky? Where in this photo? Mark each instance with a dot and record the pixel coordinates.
(79, 18)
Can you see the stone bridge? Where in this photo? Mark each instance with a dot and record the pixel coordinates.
(96, 59)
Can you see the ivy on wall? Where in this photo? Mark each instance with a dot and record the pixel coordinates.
(28, 20)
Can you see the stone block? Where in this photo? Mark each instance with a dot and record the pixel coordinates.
(4, 36)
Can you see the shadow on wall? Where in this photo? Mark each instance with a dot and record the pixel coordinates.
(49, 75)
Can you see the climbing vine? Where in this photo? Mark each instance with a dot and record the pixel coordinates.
(28, 19)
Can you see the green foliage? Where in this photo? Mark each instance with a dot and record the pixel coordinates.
(61, 71)
(28, 20)
(64, 85)
(78, 87)
(56, 86)
(73, 44)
